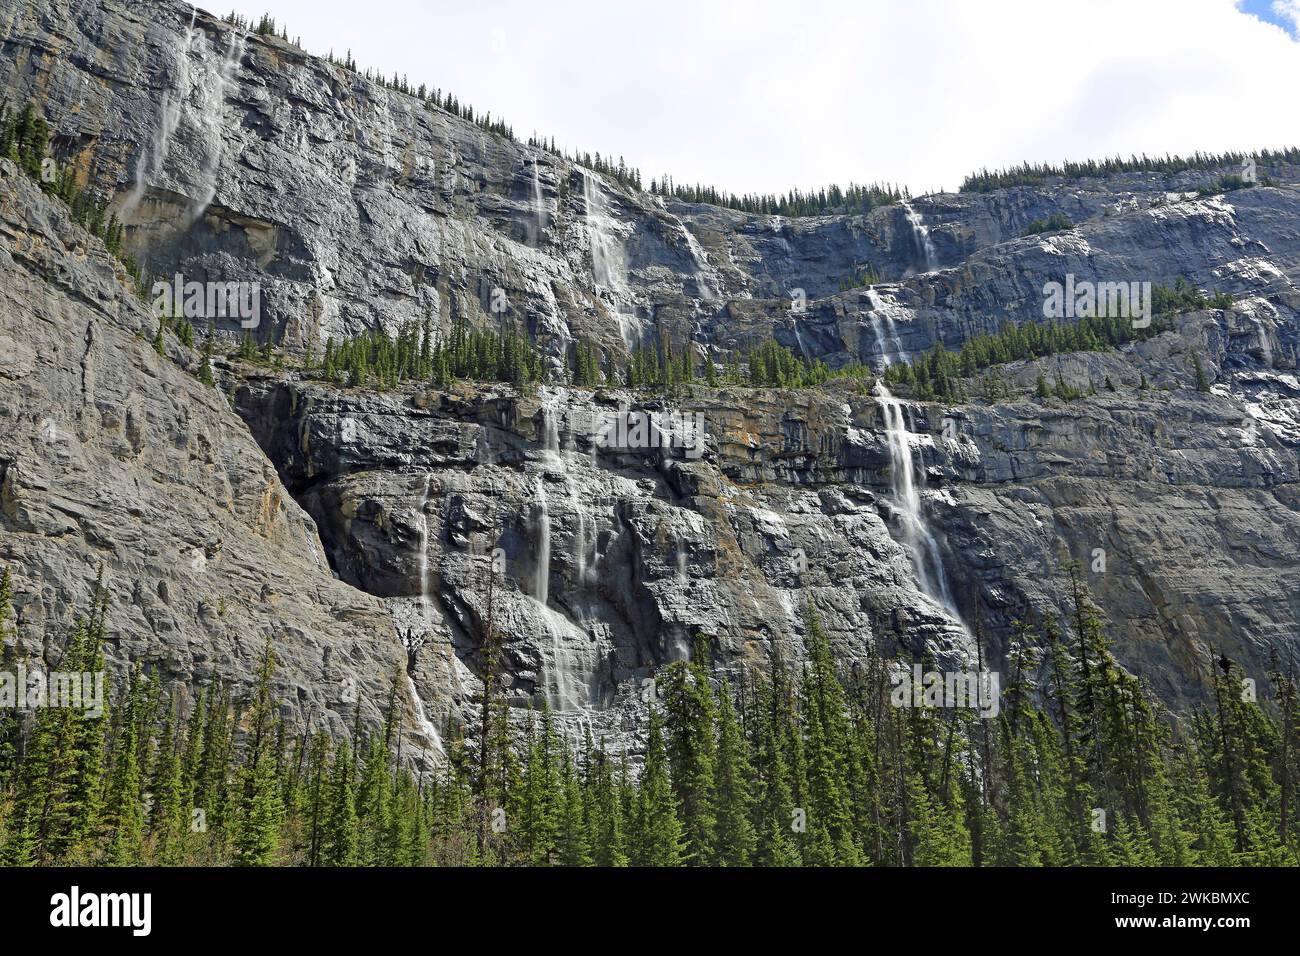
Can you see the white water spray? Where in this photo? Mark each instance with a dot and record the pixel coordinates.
(425, 725)
(927, 561)
(422, 721)
(608, 263)
(542, 533)
(703, 281)
(561, 668)
(214, 124)
(886, 331)
(540, 217)
(921, 233)
(154, 157)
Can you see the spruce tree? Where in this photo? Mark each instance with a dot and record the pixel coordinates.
(735, 829)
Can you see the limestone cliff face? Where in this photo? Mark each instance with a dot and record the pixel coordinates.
(113, 457)
(370, 531)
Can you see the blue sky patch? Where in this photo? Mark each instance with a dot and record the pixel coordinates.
(1281, 14)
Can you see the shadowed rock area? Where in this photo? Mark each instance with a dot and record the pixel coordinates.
(370, 533)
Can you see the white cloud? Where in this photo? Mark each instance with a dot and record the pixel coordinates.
(1288, 11)
(766, 94)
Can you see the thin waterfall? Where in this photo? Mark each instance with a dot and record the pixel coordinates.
(580, 540)
(539, 206)
(425, 725)
(608, 264)
(708, 288)
(570, 655)
(562, 677)
(927, 561)
(549, 435)
(214, 125)
(542, 543)
(921, 235)
(798, 337)
(154, 157)
(422, 721)
(882, 346)
(422, 560)
(891, 346)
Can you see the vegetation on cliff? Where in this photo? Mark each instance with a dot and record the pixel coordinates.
(814, 766)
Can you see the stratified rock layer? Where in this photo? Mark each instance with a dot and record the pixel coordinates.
(374, 534)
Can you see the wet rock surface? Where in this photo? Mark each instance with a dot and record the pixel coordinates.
(369, 534)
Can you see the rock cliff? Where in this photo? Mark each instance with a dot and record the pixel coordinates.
(369, 533)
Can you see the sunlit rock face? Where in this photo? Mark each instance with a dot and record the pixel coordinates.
(380, 539)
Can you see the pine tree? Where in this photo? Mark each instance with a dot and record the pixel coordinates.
(689, 718)
(168, 819)
(123, 812)
(1202, 382)
(339, 839)
(574, 841)
(735, 830)
(658, 839)
(259, 813)
(832, 840)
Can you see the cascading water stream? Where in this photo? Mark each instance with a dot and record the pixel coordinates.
(921, 234)
(708, 288)
(214, 124)
(425, 725)
(886, 331)
(608, 265)
(542, 521)
(561, 677)
(570, 649)
(539, 206)
(927, 561)
(154, 158)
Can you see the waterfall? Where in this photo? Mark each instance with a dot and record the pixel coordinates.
(881, 345)
(561, 666)
(214, 124)
(426, 613)
(422, 721)
(921, 235)
(798, 337)
(917, 537)
(571, 656)
(422, 562)
(708, 288)
(542, 532)
(154, 157)
(887, 340)
(608, 265)
(581, 540)
(549, 435)
(539, 206)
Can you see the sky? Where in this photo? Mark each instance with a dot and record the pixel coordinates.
(762, 96)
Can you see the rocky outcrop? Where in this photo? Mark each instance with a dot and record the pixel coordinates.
(369, 531)
(240, 158)
(113, 459)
